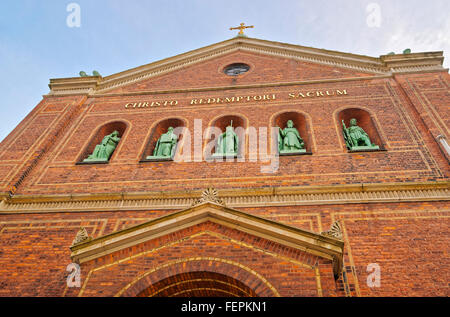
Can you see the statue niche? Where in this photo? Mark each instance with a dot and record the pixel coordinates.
(356, 138)
(165, 146)
(227, 144)
(289, 140)
(105, 149)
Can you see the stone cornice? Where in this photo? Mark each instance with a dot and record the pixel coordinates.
(74, 85)
(279, 196)
(247, 86)
(414, 62)
(384, 65)
(321, 245)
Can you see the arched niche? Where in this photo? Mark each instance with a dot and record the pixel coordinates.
(101, 132)
(160, 128)
(364, 120)
(221, 123)
(300, 122)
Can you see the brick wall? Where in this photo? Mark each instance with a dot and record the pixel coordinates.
(412, 154)
(407, 240)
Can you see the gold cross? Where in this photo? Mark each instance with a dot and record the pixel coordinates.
(242, 28)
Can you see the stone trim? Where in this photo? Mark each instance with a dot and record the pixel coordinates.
(183, 265)
(81, 237)
(74, 85)
(209, 195)
(282, 196)
(384, 65)
(306, 241)
(246, 86)
(335, 231)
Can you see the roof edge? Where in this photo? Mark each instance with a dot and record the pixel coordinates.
(385, 64)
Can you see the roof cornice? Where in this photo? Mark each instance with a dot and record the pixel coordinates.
(384, 65)
(252, 197)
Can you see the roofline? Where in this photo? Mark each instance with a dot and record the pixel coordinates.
(383, 65)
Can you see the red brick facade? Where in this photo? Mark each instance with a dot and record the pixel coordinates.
(403, 113)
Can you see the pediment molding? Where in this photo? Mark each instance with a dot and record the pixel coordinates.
(321, 245)
(384, 65)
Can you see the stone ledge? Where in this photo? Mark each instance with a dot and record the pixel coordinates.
(281, 196)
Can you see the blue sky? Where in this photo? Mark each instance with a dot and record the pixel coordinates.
(36, 44)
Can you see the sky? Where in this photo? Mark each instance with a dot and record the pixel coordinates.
(37, 43)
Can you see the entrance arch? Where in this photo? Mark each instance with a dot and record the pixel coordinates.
(224, 277)
(198, 284)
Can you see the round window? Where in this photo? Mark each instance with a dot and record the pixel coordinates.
(236, 69)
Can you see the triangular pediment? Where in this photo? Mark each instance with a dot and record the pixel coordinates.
(202, 68)
(269, 61)
(318, 244)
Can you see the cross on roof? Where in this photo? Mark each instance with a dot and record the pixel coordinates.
(241, 28)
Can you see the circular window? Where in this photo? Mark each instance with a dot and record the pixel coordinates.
(236, 69)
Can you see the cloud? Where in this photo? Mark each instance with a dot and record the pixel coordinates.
(425, 40)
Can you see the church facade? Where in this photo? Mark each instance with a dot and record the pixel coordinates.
(244, 168)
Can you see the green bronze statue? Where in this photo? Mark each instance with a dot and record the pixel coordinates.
(356, 138)
(165, 147)
(289, 140)
(105, 149)
(228, 143)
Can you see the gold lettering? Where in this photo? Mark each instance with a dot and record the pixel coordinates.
(229, 100)
(142, 105)
(218, 100)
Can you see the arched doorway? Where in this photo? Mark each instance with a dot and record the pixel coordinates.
(198, 284)
(224, 278)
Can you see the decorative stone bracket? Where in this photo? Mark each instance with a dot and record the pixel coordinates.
(81, 237)
(209, 195)
(335, 231)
